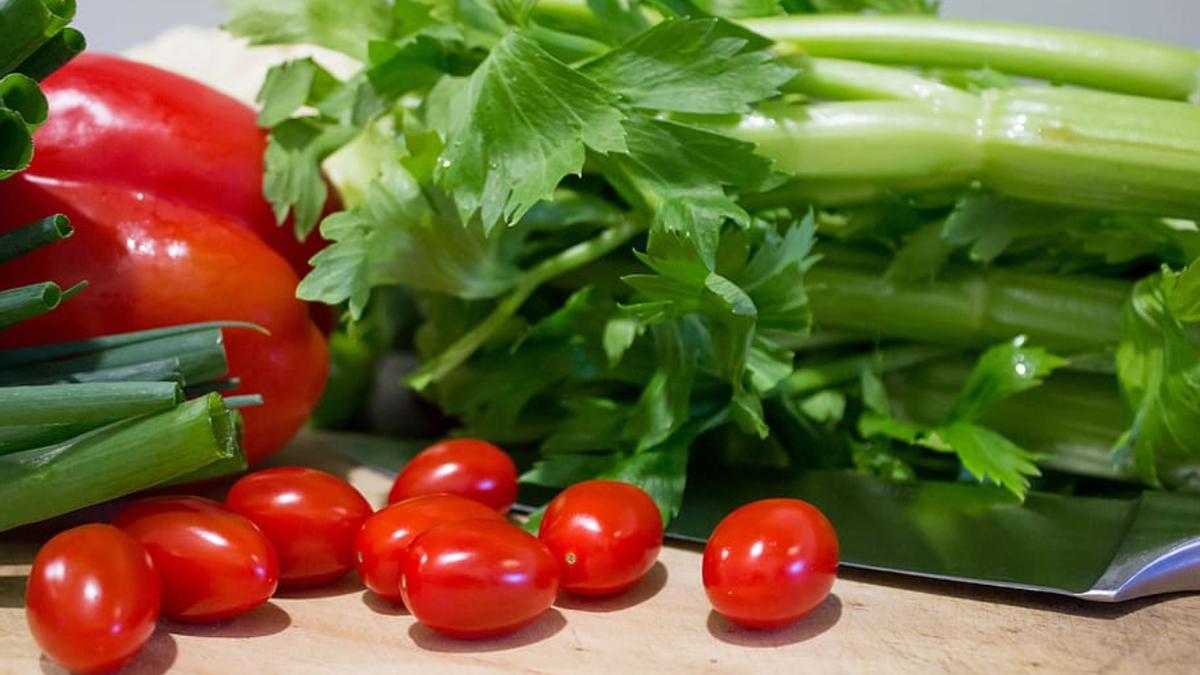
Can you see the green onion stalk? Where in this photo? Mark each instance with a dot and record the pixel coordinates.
(83, 422)
(87, 421)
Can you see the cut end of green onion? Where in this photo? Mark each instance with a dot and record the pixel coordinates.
(16, 143)
(246, 401)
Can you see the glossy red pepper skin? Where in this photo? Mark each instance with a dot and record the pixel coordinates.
(127, 124)
(152, 262)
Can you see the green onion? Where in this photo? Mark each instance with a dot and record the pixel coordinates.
(233, 464)
(54, 54)
(16, 143)
(26, 24)
(21, 94)
(91, 402)
(115, 460)
(155, 341)
(161, 370)
(199, 349)
(26, 302)
(33, 236)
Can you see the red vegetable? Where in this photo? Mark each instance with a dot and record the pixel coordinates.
(605, 535)
(152, 505)
(214, 564)
(150, 131)
(477, 579)
(93, 598)
(385, 537)
(310, 517)
(771, 562)
(462, 466)
(152, 262)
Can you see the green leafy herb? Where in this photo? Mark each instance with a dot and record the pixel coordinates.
(608, 212)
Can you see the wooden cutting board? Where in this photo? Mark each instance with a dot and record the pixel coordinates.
(871, 623)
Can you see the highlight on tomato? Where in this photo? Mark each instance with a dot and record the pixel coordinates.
(604, 534)
(770, 563)
(93, 598)
(309, 516)
(477, 579)
(466, 467)
(213, 563)
(383, 541)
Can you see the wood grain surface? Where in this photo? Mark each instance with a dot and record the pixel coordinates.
(871, 623)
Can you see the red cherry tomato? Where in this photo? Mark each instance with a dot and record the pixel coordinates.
(213, 563)
(93, 598)
(463, 466)
(152, 505)
(770, 563)
(478, 578)
(385, 536)
(311, 518)
(604, 534)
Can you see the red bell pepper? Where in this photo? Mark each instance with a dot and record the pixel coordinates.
(161, 178)
(120, 122)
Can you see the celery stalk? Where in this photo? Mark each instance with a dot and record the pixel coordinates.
(1090, 150)
(1103, 62)
(970, 308)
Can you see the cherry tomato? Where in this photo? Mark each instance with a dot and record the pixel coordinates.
(93, 598)
(605, 535)
(385, 536)
(770, 562)
(213, 563)
(478, 578)
(311, 518)
(462, 466)
(152, 505)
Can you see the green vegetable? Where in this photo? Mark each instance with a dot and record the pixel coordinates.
(642, 234)
(87, 421)
(116, 460)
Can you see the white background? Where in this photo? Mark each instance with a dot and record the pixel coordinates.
(112, 25)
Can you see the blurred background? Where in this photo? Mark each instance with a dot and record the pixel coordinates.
(113, 25)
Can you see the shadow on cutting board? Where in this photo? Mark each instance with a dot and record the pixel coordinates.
(545, 626)
(824, 617)
(267, 619)
(343, 586)
(648, 587)
(383, 605)
(12, 591)
(155, 659)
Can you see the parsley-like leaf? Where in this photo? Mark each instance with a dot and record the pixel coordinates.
(346, 27)
(528, 120)
(704, 66)
(1003, 371)
(292, 180)
(1158, 366)
(396, 238)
